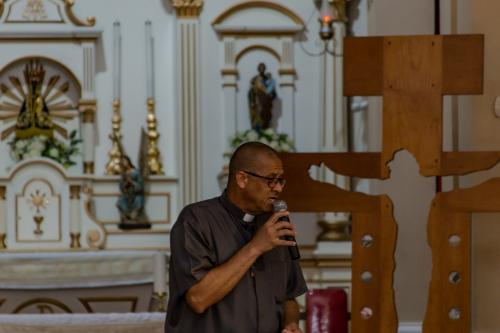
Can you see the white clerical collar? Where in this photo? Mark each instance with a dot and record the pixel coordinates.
(248, 217)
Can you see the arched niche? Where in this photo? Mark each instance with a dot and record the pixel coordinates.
(242, 37)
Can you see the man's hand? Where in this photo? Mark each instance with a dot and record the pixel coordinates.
(292, 328)
(269, 235)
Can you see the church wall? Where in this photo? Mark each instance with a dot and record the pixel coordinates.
(132, 15)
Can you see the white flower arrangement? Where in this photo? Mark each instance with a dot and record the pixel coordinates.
(43, 146)
(278, 141)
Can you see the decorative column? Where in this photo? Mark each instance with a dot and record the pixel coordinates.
(287, 87)
(229, 85)
(75, 221)
(188, 26)
(88, 106)
(87, 110)
(3, 221)
(334, 132)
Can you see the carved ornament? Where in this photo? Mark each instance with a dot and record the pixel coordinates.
(187, 8)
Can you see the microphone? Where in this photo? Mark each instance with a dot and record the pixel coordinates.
(280, 206)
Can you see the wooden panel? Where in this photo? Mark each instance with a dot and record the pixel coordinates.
(363, 71)
(364, 165)
(303, 194)
(445, 296)
(412, 73)
(451, 215)
(463, 64)
(412, 116)
(462, 163)
(371, 215)
(376, 295)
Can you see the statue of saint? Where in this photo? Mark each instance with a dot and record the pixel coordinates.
(131, 201)
(33, 118)
(260, 98)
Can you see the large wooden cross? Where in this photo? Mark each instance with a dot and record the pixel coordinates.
(412, 73)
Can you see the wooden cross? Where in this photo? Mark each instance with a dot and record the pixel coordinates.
(412, 73)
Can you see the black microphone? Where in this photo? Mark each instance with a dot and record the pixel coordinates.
(280, 206)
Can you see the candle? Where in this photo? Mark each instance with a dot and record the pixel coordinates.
(117, 60)
(159, 273)
(149, 61)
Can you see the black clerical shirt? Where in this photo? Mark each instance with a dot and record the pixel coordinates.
(206, 235)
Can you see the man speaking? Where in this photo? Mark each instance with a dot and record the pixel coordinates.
(230, 270)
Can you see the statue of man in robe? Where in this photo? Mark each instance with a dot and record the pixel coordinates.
(260, 98)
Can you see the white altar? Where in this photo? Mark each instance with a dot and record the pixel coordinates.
(81, 282)
(63, 246)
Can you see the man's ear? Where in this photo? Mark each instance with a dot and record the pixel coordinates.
(241, 179)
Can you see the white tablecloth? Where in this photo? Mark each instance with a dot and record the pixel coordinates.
(75, 269)
(83, 323)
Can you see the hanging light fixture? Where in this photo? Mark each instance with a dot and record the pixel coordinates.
(331, 11)
(326, 20)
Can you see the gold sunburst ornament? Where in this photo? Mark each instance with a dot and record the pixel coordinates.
(36, 105)
(38, 201)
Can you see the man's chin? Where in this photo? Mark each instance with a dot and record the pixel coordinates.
(269, 206)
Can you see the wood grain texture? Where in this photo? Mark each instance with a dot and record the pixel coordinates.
(412, 110)
(371, 215)
(412, 73)
(378, 259)
(363, 66)
(451, 215)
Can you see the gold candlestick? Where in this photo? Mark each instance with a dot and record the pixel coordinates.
(2, 241)
(158, 302)
(154, 163)
(114, 166)
(75, 240)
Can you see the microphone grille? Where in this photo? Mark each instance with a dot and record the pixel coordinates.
(279, 206)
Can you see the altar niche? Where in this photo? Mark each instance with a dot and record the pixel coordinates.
(412, 73)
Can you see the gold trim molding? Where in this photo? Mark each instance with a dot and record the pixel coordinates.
(43, 300)
(87, 300)
(88, 167)
(258, 4)
(187, 8)
(287, 71)
(89, 22)
(75, 241)
(325, 262)
(74, 191)
(229, 71)
(2, 242)
(258, 47)
(88, 109)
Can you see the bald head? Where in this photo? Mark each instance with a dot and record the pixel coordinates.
(247, 156)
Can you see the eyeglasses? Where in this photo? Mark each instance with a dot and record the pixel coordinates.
(271, 181)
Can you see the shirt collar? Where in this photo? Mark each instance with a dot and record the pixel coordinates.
(235, 210)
